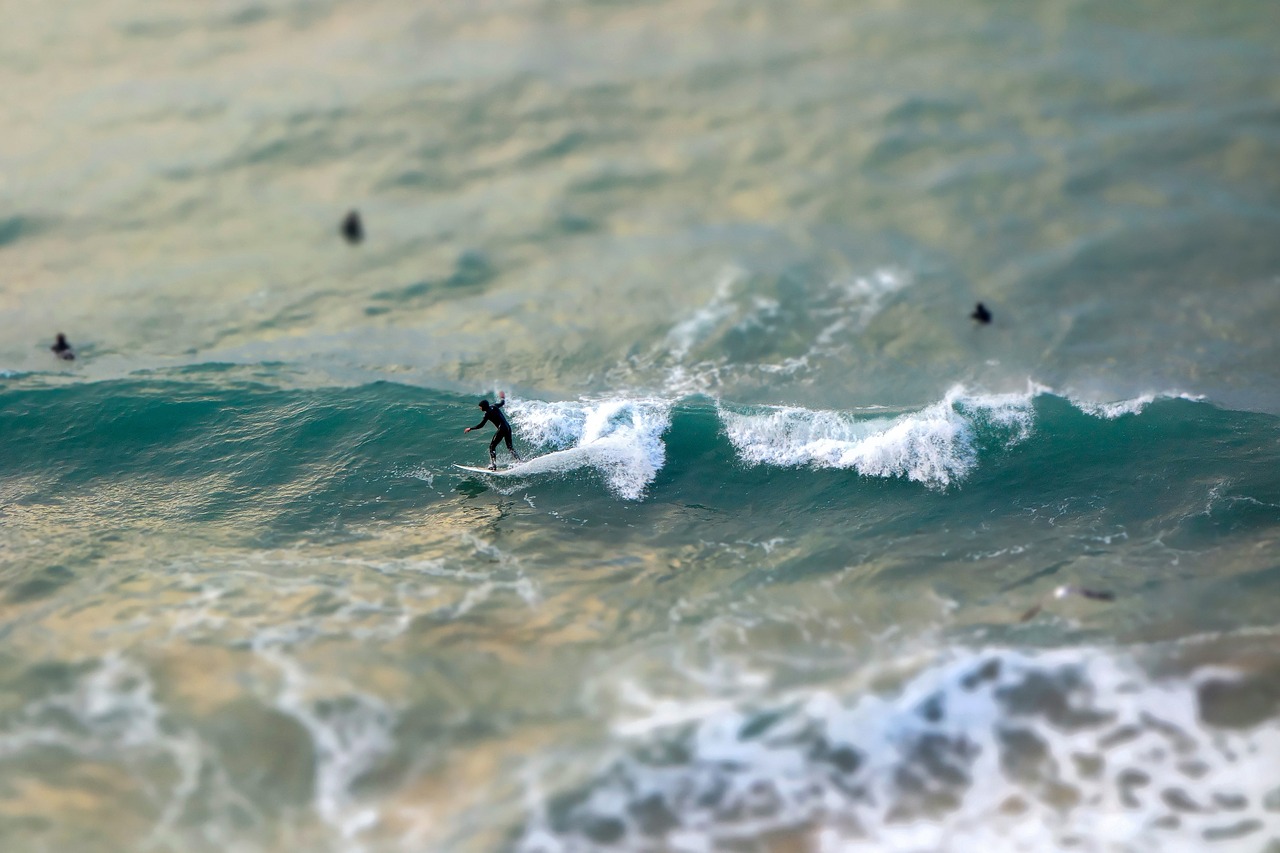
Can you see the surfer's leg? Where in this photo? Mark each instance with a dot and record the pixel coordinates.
(493, 450)
(510, 447)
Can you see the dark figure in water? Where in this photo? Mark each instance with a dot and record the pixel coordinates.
(63, 349)
(353, 228)
(1064, 591)
(981, 314)
(493, 415)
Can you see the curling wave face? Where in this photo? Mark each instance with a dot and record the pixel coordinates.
(217, 444)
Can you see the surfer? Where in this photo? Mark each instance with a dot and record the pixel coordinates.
(493, 415)
(352, 227)
(981, 314)
(63, 349)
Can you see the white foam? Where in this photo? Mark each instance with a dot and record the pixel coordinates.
(110, 714)
(1134, 406)
(378, 599)
(859, 299)
(421, 472)
(620, 438)
(350, 732)
(684, 335)
(115, 701)
(934, 446)
(841, 308)
(993, 750)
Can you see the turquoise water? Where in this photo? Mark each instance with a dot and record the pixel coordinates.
(800, 572)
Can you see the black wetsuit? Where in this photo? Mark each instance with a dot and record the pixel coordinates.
(63, 349)
(494, 415)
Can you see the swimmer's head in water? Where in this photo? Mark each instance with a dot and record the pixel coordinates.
(353, 228)
(62, 348)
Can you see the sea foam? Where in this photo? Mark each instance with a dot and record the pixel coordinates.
(620, 438)
(993, 749)
(935, 445)
(692, 357)
(1110, 410)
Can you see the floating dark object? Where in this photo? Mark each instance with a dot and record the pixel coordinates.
(353, 228)
(1094, 594)
(981, 314)
(1064, 591)
(63, 349)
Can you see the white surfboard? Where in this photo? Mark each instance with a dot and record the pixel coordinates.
(557, 461)
(476, 469)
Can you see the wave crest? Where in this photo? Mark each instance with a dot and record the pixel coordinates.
(935, 446)
(621, 438)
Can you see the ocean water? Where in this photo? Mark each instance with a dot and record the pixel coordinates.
(807, 571)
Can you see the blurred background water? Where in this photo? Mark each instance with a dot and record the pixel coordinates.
(789, 581)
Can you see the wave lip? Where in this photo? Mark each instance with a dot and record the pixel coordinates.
(935, 446)
(1119, 408)
(620, 438)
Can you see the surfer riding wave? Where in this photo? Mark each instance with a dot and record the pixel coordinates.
(493, 415)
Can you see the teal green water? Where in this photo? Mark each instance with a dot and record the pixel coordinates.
(797, 563)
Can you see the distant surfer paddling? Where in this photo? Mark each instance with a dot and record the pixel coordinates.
(493, 415)
(62, 349)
